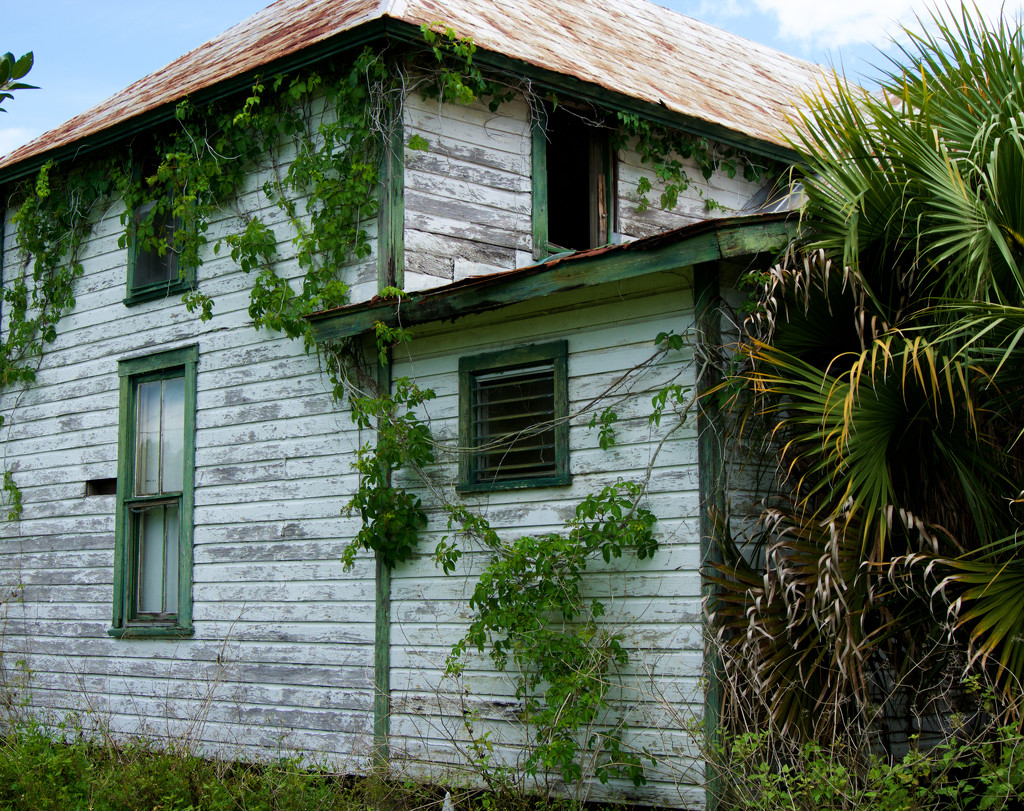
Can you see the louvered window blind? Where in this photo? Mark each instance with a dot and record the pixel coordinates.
(514, 424)
(513, 418)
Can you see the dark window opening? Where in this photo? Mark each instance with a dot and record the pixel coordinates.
(155, 264)
(579, 182)
(513, 418)
(155, 234)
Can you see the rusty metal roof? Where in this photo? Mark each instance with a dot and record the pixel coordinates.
(630, 47)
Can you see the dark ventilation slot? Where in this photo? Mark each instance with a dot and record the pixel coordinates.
(101, 487)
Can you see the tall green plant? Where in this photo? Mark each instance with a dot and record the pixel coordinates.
(885, 355)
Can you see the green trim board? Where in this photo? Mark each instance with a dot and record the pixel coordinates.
(391, 213)
(382, 623)
(381, 661)
(547, 467)
(130, 618)
(705, 241)
(711, 478)
(539, 187)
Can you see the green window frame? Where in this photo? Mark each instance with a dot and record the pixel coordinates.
(153, 273)
(155, 495)
(514, 418)
(572, 176)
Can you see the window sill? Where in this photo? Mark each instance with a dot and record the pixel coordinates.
(560, 480)
(150, 632)
(157, 292)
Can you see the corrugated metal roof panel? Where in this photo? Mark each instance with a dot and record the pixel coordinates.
(630, 47)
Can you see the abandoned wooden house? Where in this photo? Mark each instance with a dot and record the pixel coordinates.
(177, 480)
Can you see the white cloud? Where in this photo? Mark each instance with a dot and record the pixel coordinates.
(861, 22)
(13, 137)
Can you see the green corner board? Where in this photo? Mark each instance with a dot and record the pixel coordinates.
(711, 242)
(707, 305)
(382, 624)
(391, 214)
(539, 189)
(381, 661)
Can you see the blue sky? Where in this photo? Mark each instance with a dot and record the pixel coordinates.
(86, 52)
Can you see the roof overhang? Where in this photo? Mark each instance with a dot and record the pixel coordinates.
(705, 241)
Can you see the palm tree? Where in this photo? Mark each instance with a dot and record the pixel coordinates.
(886, 356)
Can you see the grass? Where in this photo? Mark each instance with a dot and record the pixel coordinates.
(40, 774)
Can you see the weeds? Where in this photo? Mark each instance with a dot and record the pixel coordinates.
(38, 771)
(983, 774)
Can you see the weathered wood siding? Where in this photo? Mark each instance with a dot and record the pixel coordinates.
(467, 197)
(282, 654)
(468, 204)
(728, 196)
(656, 603)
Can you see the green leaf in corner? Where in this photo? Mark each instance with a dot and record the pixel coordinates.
(418, 143)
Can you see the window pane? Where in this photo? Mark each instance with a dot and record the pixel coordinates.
(173, 435)
(160, 437)
(147, 442)
(157, 532)
(171, 559)
(150, 266)
(151, 535)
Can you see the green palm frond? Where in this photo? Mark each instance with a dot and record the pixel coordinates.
(981, 594)
(858, 443)
(889, 362)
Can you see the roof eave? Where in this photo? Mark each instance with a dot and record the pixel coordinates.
(387, 28)
(706, 241)
(578, 89)
(371, 31)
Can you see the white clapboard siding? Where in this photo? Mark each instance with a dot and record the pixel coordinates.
(282, 660)
(656, 602)
(283, 649)
(732, 193)
(467, 197)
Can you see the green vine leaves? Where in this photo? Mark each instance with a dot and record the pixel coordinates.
(333, 173)
(319, 137)
(52, 224)
(328, 192)
(666, 150)
(391, 517)
(530, 606)
(458, 79)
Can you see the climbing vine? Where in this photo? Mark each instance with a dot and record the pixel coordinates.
(531, 608)
(392, 517)
(665, 150)
(52, 225)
